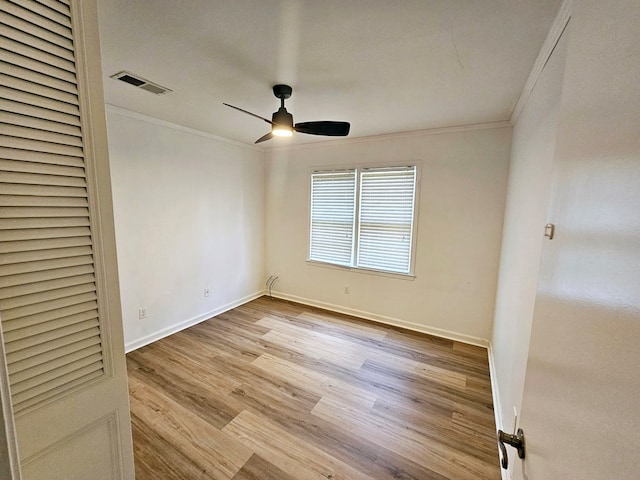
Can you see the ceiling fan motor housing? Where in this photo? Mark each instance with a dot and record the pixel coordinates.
(282, 117)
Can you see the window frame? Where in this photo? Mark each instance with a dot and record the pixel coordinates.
(359, 168)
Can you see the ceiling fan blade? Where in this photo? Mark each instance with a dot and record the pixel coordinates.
(331, 129)
(264, 138)
(249, 113)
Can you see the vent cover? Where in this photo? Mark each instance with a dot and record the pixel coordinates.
(140, 82)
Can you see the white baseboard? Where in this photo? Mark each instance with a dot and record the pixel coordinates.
(396, 322)
(165, 332)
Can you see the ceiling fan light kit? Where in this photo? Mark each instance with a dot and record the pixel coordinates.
(281, 131)
(282, 121)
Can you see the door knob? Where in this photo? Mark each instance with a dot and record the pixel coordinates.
(516, 441)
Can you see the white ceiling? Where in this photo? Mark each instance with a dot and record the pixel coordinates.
(386, 66)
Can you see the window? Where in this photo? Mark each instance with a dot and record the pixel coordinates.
(363, 218)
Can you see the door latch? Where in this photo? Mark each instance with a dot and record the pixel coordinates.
(516, 441)
(549, 230)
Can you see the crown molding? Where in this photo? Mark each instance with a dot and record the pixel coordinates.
(174, 126)
(553, 37)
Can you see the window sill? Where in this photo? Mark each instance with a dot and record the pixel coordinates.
(366, 271)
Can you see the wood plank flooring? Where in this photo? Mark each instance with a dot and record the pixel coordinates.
(274, 390)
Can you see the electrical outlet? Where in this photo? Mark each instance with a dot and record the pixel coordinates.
(207, 292)
(346, 289)
(142, 313)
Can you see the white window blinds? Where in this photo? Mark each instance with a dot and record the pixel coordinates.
(48, 298)
(332, 216)
(386, 219)
(363, 218)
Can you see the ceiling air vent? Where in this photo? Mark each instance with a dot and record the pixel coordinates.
(140, 82)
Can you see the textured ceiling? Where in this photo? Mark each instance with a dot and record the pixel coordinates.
(385, 66)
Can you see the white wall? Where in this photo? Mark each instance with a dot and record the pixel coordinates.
(189, 214)
(532, 153)
(462, 192)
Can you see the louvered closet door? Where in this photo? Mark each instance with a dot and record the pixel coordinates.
(53, 309)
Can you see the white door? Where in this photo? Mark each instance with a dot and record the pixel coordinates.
(59, 298)
(581, 404)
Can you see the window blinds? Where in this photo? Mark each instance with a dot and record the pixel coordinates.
(386, 219)
(381, 218)
(48, 298)
(332, 216)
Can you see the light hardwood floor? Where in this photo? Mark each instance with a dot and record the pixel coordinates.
(279, 391)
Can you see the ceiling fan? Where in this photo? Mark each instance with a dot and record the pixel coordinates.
(282, 121)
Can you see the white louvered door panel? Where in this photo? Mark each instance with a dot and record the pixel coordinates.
(44, 233)
(55, 317)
